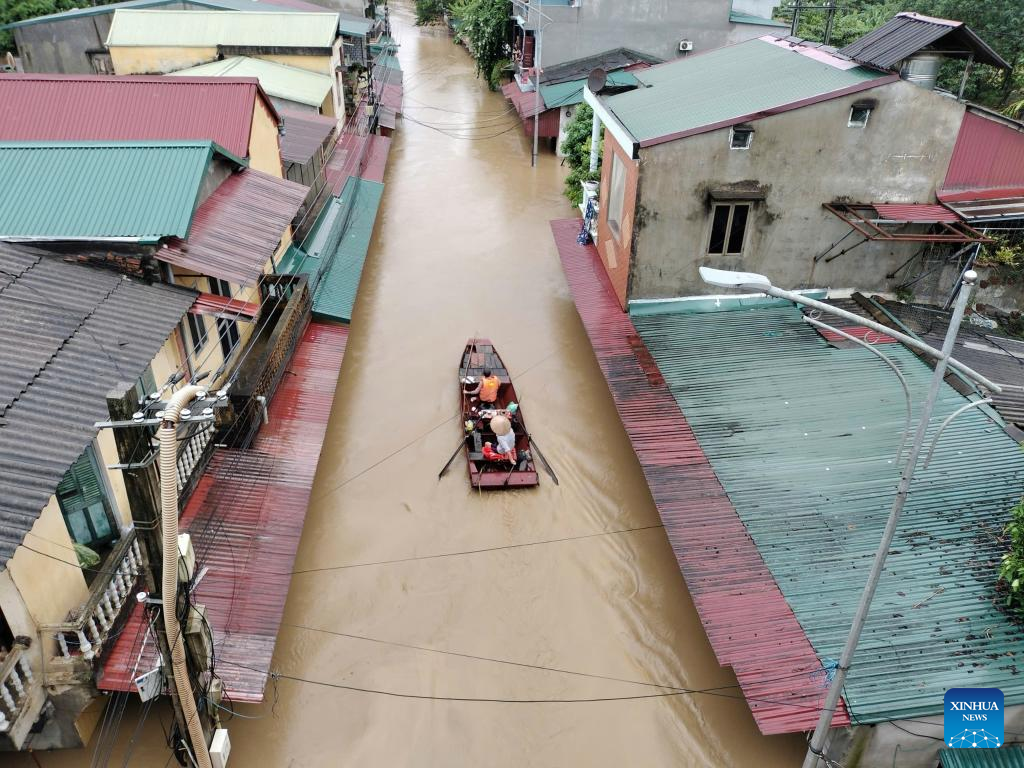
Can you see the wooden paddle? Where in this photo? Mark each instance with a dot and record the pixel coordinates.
(462, 444)
(547, 467)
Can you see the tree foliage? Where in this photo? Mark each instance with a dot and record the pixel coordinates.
(19, 10)
(576, 148)
(484, 26)
(429, 11)
(1011, 569)
(997, 22)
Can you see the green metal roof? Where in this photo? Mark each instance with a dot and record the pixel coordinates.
(208, 29)
(1004, 757)
(741, 17)
(728, 85)
(278, 80)
(571, 92)
(95, 10)
(140, 191)
(334, 251)
(354, 27)
(387, 61)
(803, 438)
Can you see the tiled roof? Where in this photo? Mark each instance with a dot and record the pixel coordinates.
(138, 191)
(733, 84)
(804, 436)
(238, 228)
(107, 108)
(208, 29)
(278, 80)
(70, 333)
(304, 134)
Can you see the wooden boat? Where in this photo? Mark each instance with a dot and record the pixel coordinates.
(492, 475)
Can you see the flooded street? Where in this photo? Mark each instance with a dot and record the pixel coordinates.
(412, 586)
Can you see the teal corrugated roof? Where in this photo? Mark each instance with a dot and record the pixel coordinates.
(571, 92)
(728, 85)
(355, 26)
(741, 17)
(335, 266)
(387, 61)
(208, 29)
(101, 190)
(803, 438)
(278, 80)
(1004, 757)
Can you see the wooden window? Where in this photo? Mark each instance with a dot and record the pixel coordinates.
(84, 504)
(728, 228)
(196, 332)
(616, 194)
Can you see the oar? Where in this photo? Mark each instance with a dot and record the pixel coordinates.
(540, 456)
(462, 444)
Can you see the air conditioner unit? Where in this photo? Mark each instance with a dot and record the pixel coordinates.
(686, 45)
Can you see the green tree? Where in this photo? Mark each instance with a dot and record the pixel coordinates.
(484, 26)
(997, 22)
(429, 11)
(576, 148)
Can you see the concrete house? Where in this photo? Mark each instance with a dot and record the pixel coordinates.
(814, 166)
(159, 42)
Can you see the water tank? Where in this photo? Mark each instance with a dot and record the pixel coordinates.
(922, 69)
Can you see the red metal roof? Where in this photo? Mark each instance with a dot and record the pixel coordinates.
(304, 134)
(918, 213)
(107, 108)
(391, 96)
(376, 158)
(348, 157)
(748, 621)
(988, 154)
(237, 229)
(246, 518)
(222, 306)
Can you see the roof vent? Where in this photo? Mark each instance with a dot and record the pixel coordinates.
(922, 69)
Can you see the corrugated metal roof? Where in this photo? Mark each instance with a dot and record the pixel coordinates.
(388, 61)
(988, 153)
(740, 17)
(208, 29)
(101, 190)
(246, 517)
(279, 80)
(238, 228)
(748, 622)
(96, 10)
(304, 134)
(337, 248)
(609, 61)
(907, 33)
(920, 213)
(571, 92)
(803, 437)
(986, 205)
(70, 333)
(1004, 757)
(732, 84)
(106, 108)
(354, 26)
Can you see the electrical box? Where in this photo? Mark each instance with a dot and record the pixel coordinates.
(150, 684)
(220, 748)
(685, 45)
(186, 558)
(197, 637)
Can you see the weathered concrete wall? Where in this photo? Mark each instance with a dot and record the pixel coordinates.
(141, 60)
(650, 26)
(801, 159)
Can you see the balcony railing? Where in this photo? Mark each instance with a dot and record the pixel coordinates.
(193, 454)
(83, 635)
(16, 685)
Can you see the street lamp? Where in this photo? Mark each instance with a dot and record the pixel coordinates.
(761, 284)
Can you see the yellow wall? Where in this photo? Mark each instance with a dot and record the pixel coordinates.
(50, 590)
(320, 64)
(140, 60)
(265, 141)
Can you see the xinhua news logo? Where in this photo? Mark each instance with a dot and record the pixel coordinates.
(973, 718)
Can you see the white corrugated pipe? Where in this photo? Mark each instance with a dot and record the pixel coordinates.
(167, 434)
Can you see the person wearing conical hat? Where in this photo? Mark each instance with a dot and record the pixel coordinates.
(502, 429)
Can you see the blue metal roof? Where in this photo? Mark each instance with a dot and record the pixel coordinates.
(803, 437)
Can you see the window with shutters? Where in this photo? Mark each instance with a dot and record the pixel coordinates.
(145, 384)
(227, 330)
(84, 504)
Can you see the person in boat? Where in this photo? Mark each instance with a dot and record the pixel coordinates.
(506, 441)
(487, 388)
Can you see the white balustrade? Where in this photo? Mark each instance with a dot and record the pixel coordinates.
(15, 681)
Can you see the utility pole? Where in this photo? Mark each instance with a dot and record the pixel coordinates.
(143, 488)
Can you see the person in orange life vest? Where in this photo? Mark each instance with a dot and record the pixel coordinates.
(487, 388)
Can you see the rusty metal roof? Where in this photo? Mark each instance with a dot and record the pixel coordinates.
(107, 108)
(908, 33)
(238, 228)
(803, 436)
(304, 134)
(246, 517)
(989, 154)
(750, 626)
(984, 206)
(70, 333)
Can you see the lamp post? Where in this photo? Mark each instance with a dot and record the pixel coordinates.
(760, 283)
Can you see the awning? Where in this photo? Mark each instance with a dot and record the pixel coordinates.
(889, 222)
(525, 103)
(223, 306)
(986, 204)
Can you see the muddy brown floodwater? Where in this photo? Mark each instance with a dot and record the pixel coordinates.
(449, 593)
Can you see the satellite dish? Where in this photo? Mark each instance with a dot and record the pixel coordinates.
(596, 81)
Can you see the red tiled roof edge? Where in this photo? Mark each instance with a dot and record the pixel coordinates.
(747, 620)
